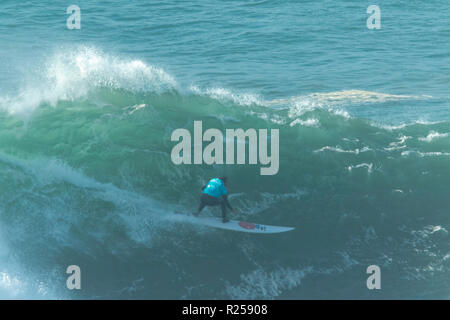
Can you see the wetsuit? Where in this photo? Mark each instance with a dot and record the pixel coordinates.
(215, 194)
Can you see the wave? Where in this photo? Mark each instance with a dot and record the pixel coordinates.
(433, 135)
(89, 172)
(331, 101)
(73, 73)
(260, 284)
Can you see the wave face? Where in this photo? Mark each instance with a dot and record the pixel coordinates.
(86, 176)
(87, 179)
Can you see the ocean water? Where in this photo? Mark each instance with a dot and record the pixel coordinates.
(86, 176)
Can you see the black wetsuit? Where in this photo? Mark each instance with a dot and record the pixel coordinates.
(207, 200)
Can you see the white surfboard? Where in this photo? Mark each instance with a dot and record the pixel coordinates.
(241, 226)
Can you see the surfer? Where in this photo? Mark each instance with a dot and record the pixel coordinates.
(215, 194)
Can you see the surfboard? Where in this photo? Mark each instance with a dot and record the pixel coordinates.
(242, 226)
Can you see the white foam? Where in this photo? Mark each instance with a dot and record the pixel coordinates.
(369, 167)
(426, 154)
(399, 144)
(260, 284)
(244, 99)
(72, 74)
(142, 216)
(330, 100)
(10, 286)
(263, 284)
(312, 122)
(15, 282)
(404, 125)
(433, 135)
(267, 116)
(340, 150)
(438, 229)
(133, 109)
(348, 97)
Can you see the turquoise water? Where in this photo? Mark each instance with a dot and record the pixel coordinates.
(86, 176)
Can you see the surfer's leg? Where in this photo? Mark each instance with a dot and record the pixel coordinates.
(206, 200)
(202, 205)
(223, 206)
(200, 208)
